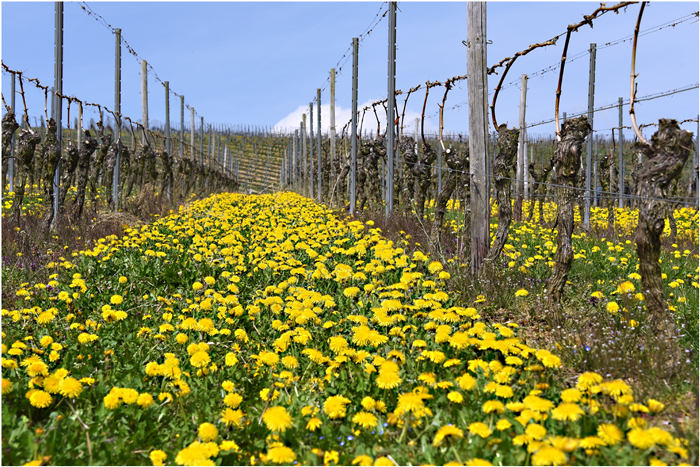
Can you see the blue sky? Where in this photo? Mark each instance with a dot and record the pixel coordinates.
(260, 63)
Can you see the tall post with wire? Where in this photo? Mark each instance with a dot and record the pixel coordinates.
(478, 131)
(201, 140)
(522, 147)
(168, 147)
(332, 135)
(621, 163)
(144, 95)
(353, 134)
(391, 91)
(311, 149)
(56, 107)
(11, 162)
(182, 140)
(117, 112)
(318, 143)
(589, 146)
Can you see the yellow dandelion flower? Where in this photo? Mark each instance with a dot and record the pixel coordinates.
(277, 419)
(232, 417)
(493, 406)
(388, 380)
(335, 406)
(640, 438)
(549, 455)
(567, 411)
(207, 432)
(145, 400)
(40, 399)
(587, 380)
(116, 300)
(365, 419)
(70, 387)
(445, 431)
(200, 359)
(479, 429)
(313, 424)
(281, 455)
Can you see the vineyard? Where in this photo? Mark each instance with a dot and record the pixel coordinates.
(218, 294)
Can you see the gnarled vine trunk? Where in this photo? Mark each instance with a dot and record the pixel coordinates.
(84, 157)
(51, 155)
(567, 162)
(9, 126)
(667, 152)
(26, 142)
(456, 166)
(507, 145)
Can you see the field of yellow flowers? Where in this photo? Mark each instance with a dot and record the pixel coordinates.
(264, 330)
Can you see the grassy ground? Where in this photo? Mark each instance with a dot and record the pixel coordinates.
(591, 338)
(615, 345)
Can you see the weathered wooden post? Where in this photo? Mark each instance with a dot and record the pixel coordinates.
(478, 131)
(332, 135)
(318, 143)
(57, 109)
(391, 94)
(117, 115)
(589, 146)
(520, 170)
(353, 134)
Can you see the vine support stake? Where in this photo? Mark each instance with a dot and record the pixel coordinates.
(11, 162)
(332, 134)
(117, 112)
(391, 95)
(318, 143)
(353, 134)
(589, 143)
(621, 163)
(478, 131)
(311, 149)
(520, 167)
(144, 96)
(56, 107)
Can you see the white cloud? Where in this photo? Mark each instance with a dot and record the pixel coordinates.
(342, 116)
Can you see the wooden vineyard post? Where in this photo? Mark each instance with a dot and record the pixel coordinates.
(520, 171)
(589, 145)
(11, 162)
(332, 136)
(353, 135)
(391, 91)
(478, 131)
(57, 107)
(168, 143)
(311, 149)
(117, 115)
(318, 143)
(621, 162)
